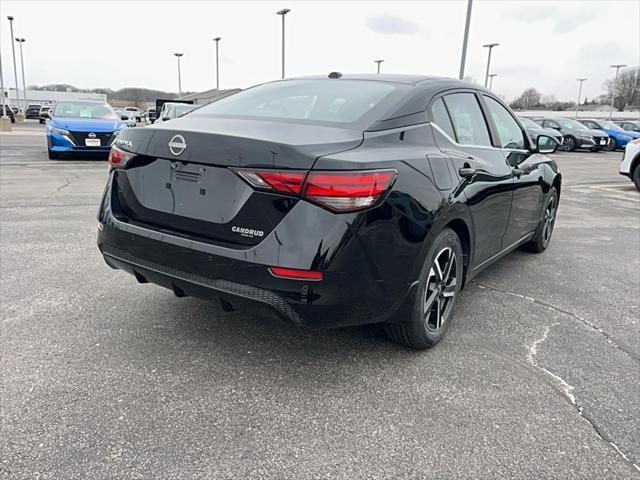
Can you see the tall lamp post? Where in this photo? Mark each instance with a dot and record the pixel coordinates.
(378, 62)
(490, 47)
(178, 55)
(491, 75)
(24, 84)
(15, 69)
(5, 121)
(282, 13)
(615, 85)
(465, 39)
(217, 40)
(581, 80)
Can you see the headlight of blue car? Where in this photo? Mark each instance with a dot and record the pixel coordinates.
(59, 131)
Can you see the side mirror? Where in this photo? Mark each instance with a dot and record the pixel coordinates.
(546, 144)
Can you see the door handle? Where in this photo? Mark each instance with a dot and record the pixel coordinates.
(517, 172)
(467, 172)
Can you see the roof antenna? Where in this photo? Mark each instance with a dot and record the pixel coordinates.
(335, 75)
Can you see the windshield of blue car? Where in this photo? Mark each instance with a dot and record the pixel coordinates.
(610, 125)
(84, 110)
(568, 123)
(341, 101)
(526, 123)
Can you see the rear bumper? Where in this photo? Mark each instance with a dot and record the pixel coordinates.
(341, 299)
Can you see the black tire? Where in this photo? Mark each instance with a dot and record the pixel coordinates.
(569, 144)
(636, 177)
(438, 291)
(541, 239)
(611, 146)
(41, 120)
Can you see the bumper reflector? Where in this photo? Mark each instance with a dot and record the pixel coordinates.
(296, 274)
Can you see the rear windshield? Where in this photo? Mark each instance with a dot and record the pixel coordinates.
(182, 109)
(84, 110)
(342, 101)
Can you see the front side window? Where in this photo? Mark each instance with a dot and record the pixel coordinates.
(341, 101)
(84, 110)
(441, 118)
(509, 132)
(468, 120)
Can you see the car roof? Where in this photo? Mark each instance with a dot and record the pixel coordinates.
(404, 78)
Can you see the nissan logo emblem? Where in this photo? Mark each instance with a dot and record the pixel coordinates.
(177, 145)
(92, 135)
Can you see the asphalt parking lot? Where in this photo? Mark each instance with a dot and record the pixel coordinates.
(538, 376)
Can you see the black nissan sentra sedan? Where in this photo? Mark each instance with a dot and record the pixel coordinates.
(332, 200)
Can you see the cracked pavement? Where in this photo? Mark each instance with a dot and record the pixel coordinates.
(538, 376)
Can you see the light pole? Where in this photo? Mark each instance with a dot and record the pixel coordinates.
(581, 80)
(24, 84)
(490, 47)
(282, 13)
(5, 122)
(615, 85)
(217, 40)
(491, 75)
(15, 69)
(178, 55)
(465, 39)
(378, 62)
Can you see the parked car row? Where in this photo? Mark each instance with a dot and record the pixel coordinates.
(585, 133)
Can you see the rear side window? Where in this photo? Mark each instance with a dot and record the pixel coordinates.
(468, 121)
(342, 101)
(509, 132)
(441, 117)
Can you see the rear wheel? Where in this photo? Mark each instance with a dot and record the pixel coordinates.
(438, 291)
(540, 241)
(569, 144)
(636, 177)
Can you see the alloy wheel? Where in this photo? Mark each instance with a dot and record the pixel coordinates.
(441, 289)
(549, 220)
(569, 144)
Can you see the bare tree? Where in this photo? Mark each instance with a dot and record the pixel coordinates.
(529, 98)
(627, 88)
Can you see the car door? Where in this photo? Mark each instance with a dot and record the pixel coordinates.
(528, 178)
(462, 133)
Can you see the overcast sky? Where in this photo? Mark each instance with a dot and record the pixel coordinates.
(116, 44)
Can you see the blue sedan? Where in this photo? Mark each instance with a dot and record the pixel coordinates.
(619, 136)
(82, 126)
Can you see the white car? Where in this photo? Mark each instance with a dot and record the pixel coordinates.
(630, 165)
(135, 111)
(127, 117)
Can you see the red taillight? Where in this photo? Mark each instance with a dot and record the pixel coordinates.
(119, 158)
(346, 191)
(280, 180)
(296, 274)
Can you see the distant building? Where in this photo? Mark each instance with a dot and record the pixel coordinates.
(209, 96)
(45, 97)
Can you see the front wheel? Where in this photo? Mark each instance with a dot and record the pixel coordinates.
(439, 287)
(541, 239)
(636, 177)
(611, 146)
(569, 144)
